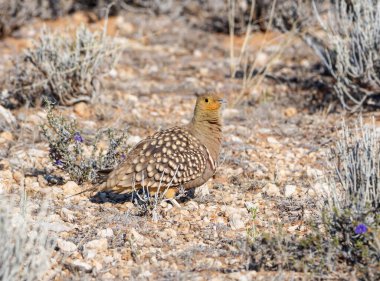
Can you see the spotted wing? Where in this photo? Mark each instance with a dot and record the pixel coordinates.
(171, 157)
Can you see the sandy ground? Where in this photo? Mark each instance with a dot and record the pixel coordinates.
(274, 154)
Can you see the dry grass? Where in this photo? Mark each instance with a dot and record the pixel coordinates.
(351, 51)
(63, 69)
(344, 240)
(25, 246)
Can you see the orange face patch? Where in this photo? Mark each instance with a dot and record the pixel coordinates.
(210, 102)
(213, 105)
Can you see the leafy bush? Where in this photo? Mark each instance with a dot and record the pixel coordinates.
(62, 68)
(82, 158)
(25, 248)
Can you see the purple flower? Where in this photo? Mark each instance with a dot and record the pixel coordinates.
(58, 162)
(123, 156)
(78, 137)
(361, 228)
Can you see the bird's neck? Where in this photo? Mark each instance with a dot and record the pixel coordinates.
(208, 129)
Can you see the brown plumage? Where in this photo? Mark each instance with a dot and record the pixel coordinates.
(180, 156)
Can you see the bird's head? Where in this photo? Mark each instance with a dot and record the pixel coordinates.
(208, 107)
(210, 102)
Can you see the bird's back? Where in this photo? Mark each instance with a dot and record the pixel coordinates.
(169, 158)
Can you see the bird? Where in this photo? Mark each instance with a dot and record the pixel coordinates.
(181, 156)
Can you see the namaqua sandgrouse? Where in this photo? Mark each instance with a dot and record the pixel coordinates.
(184, 156)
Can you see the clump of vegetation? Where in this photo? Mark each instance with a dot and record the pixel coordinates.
(351, 215)
(25, 247)
(81, 157)
(62, 68)
(16, 13)
(346, 238)
(151, 203)
(352, 54)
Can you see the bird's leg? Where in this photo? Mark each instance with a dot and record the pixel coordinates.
(152, 191)
(170, 195)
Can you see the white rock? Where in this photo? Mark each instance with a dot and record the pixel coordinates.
(6, 118)
(97, 265)
(136, 237)
(6, 176)
(113, 73)
(236, 216)
(18, 177)
(265, 131)
(191, 206)
(35, 186)
(38, 153)
(236, 221)
(231, 113)
(235, 139)
(131, 98)
(250, 206)
(272, 140)
(272, 190)
(202, 191)
(107, 276)
(82, 109)
(133, 140)
(98, 244)
(80, 265)
(90, 249)
(67, 215)
(293, 228)
(313, 173)
(311, 193)
(70, 188)
(242, 276)
(108, 259)
(57, 227)
(7, 136)
(261, 59)
(290, 190)
(66, 246)
(89, 254)
(322, 188)
(107, 232)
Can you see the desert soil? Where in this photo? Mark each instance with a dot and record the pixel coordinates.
(274, 154)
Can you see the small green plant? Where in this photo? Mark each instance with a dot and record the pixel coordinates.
(82, 157)
(252, 232)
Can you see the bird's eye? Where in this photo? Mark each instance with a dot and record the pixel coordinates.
(206, 100)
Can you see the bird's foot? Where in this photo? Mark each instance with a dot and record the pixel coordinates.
(175, 203)
(170, 195)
